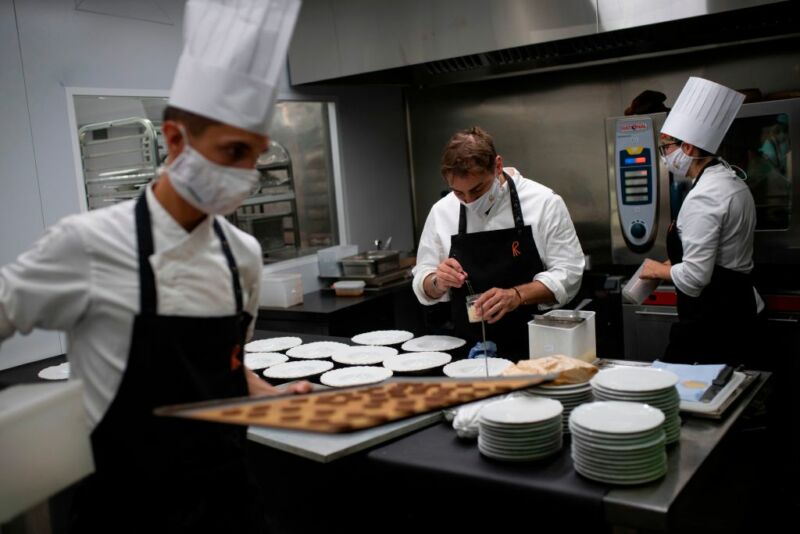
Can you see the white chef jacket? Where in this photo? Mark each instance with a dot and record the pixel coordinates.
(715, 224)
(83, 277)
(542, 209)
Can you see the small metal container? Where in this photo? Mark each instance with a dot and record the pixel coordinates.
(371, 263)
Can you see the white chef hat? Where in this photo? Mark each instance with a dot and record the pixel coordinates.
(703, 113)
(233, 56)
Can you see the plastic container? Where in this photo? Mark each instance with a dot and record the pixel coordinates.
(328, 259)
(636, 290)
(281, 290)
(349, 288)
(576, 340)
(473, 313)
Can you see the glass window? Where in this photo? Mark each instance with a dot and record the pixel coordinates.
(760, 146)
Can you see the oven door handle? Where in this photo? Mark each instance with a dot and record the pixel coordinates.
(657, 314)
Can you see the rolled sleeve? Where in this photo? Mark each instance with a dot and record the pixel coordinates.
(561, 253)
(699, 224)
(47, 286)
(430, 253)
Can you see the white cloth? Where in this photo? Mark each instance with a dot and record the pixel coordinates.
(715, 224)
(542, 209)
(82, 277)
(233, 56)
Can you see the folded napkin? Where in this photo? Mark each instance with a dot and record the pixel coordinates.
(694, 380)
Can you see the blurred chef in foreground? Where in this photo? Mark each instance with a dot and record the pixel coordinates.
(159, 294)
(499, 234)
(710, 245)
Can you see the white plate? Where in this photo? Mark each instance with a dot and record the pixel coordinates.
(383, 337)
(262, 360)
(635, 379)
(476, 367)
(297, 369)
(522, 410)
(616, 417)
(317, 349)
(433, 343)
(583, 386)
(355, 376)
(416, 361)
(363, 355)
(273, 344)
(55, 372)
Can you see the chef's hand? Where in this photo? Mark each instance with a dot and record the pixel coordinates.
(495, 303)
(654, 270)
(449, 274)
(258, 387)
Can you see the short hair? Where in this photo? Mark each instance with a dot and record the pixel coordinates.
(196, 124)
(468, 151)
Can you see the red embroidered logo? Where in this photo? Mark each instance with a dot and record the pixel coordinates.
(515, 249)
(236, 362)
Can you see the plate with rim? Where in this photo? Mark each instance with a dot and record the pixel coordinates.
(301, 369)
(316, 350)
(363, 355)
(55, 372)
(411, 362)
(522, 411)
(383, 337)
(635, 379)
(273, 344)
(262, 360)
(616, 417)
(357, 375)
(433, 344)
(476, 367)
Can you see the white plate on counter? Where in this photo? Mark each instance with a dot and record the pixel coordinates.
(363, 355)
(476, 367)
(616, 417)
(383, 337)
(55, 372)
(262, 360)
(304, 369)
(273, 344)
(412, 362)
(634, 379)
(355, 376)
(316, 350)
(522, 411)
(433, 344)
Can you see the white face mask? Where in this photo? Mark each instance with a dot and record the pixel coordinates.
(484, 203)
(678, 162)
(211, 188)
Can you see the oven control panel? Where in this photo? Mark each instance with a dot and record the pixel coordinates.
(636, 186)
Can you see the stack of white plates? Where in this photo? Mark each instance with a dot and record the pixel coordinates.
(655, 387)
(520, 429)
(570, 396)
(618, 442)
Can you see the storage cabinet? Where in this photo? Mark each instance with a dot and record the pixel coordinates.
(646, 330)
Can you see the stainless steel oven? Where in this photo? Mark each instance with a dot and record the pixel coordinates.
(644, 197)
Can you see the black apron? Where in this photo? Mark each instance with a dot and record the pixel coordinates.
(718, 325)
(498, 258)
(161, 474)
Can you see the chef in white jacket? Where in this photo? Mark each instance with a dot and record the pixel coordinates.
(710, 245)
(159, 294)
(499, 234)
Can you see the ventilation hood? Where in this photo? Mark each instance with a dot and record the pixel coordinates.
(425, 42)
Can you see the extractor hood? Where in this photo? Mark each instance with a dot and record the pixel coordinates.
(433, 42)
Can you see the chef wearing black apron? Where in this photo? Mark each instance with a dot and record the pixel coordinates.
(498, 234)
(716, 326)
(497, 258)
(710, 244)
(156, 474)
